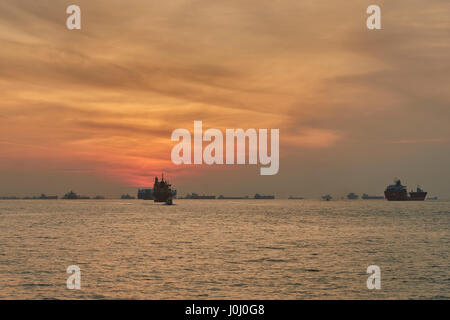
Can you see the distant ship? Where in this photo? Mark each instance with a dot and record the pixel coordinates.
(145, 194)
(148, 194)
(352, 196)
(162, 191)
(365, 196)
(199, 197)
(221, 197)
(327, 197)
(9, 198)
(398, 192)
(73, 196)
(127, 196)
(295, 198)
(258, 196)
(46, 197)
(432, 198)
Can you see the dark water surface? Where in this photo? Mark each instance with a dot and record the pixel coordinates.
(224, 249)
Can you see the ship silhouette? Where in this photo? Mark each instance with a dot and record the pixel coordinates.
(74, 196)
(265, 197)
(196, 196)
(365, 196)
(352, 196)
(222, 197)
(398, 192)
(161, 192)
(127, 196)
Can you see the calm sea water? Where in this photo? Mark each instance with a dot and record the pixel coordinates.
(224, 249)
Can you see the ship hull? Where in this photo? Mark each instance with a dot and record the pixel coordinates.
(417, 196)
(396, 196)
(403, 196)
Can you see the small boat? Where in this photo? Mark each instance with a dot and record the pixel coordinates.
(352, 196)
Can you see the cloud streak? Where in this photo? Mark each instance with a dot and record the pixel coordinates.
(108, 97)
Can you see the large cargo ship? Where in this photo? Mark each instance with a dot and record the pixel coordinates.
(398, 192)
(161, 192)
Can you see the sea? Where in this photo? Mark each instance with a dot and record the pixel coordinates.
(224, 249)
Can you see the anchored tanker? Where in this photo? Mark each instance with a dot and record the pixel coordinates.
(398, 192)
(195, 196)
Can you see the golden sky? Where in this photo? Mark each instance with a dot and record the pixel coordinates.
(94, 109)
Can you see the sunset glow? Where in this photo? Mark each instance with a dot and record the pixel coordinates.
(102, 102)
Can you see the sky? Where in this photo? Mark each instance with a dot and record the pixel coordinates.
(93, 109)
